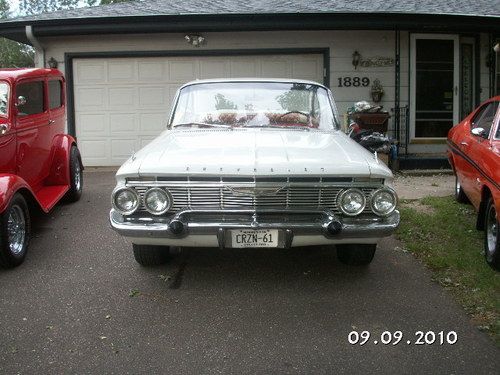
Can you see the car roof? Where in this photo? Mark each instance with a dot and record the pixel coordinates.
(269, 80)
(18, 73)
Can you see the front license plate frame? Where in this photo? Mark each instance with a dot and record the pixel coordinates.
(254, 238)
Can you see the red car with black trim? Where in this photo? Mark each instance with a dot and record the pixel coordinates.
(474, 154)
(39, 163)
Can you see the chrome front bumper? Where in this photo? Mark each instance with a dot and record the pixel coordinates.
(291, 223)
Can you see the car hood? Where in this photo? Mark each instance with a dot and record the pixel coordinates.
(269, 152)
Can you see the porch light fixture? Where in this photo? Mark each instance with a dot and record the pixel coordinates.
(356, 58)
(195, 40)
(52, 63)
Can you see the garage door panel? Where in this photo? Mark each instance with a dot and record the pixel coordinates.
(93, 124)
(213, 69)
(89, 73)
(239, 68)
(309, 69)
(90, 97)
(150, 71)
(122, 123)
(275, 69)
(123, 97)
(183, 70)
(123, 104)
(152, 96)
(94, 151)
(120, 71)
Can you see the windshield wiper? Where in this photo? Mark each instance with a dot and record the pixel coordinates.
(203, 124)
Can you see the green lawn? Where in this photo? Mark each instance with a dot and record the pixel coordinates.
(441, 232)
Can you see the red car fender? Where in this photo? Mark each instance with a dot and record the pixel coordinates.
(10, 184)
(59, 171)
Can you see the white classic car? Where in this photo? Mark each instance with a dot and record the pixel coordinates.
(249, 163)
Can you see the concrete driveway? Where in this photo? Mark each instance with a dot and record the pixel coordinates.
(80, 304)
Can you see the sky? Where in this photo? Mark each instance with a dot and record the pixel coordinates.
(14, 6)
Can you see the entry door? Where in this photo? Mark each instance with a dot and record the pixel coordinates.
(434, 85)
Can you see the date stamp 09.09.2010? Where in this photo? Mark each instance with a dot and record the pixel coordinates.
(397, 337)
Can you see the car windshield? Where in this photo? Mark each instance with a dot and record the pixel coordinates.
(255, 104)
(4, 95)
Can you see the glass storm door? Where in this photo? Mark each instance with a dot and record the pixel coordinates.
(434, 85)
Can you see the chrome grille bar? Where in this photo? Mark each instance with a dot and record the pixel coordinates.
(199, 194)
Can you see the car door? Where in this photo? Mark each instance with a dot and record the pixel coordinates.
(7, 131)
(479, 150)
(33, 139)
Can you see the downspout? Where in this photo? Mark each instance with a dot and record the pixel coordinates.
(39, 50)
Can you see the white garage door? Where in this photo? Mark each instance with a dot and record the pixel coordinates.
(122, 104)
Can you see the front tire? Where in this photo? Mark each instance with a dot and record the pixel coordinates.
(15, 231)
(356, 254)
(76, 176)
(148, 255)
(460, 196)
(491, 236)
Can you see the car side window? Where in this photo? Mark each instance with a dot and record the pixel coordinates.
(4, 95)
(55, 94)
(484, 118)
(34, 97)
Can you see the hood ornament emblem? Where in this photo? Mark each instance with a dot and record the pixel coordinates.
(254, 191)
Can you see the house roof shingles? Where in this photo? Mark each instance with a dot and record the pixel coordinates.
(137, 8)
(147, 16)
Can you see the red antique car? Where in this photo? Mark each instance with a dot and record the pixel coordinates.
(39, 163)
(474, 154)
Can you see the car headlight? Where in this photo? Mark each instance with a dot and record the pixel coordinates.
(125, 201)
(384, 201)
(351, 202)
(157, 201)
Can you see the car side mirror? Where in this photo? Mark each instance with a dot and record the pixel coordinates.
(479, 132)
(21, 100)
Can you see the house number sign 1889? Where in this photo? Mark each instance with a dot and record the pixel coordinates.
(353, 81)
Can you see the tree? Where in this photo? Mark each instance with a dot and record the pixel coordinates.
(13, 54)
(27, 7)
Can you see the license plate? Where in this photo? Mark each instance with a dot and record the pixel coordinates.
(254, 238)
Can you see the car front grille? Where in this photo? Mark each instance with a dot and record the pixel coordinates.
(285, 194)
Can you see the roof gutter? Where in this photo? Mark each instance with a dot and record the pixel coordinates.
(40, 51)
